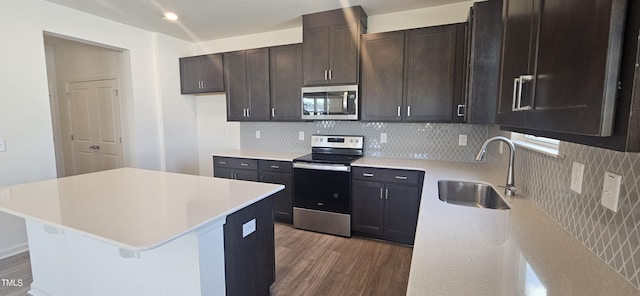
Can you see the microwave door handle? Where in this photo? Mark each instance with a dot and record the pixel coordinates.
(344, 100)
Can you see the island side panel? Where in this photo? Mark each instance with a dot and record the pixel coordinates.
(250, 258)
(65, 263)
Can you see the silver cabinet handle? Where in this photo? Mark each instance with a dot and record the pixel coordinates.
(222, 162)
(398, 111)
(517, 93)
(234, 176)
(273, 112)
(330, 72)
(367, 175)
(408, 111)
(386, 193)
(460, 112)
(274, 166)
(380, 192)
(244, 164)
(401, 178)
(248, 112)
(244, 112)
(326, 74)
(516, 82)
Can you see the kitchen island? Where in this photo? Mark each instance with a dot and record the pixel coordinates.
(137, 232)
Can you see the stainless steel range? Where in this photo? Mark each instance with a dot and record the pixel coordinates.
(322, 184)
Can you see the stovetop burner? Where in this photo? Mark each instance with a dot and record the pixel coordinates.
(334, 149)
(328, 158)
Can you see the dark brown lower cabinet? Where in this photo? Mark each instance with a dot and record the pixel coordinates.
(385, 203)
(267, 171)
(250, 261)
(283, 200)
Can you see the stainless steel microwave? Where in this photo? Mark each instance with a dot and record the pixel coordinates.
(330, 102)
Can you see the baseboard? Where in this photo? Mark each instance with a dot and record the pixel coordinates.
(14, 250)
(37, 291)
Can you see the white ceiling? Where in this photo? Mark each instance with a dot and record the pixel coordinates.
(202, 20)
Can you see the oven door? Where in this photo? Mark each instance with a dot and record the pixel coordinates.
(322, 187)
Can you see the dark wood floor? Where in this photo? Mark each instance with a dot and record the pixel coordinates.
(15, 268)
(307, 263)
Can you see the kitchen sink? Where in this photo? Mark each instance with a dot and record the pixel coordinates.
(470, 194)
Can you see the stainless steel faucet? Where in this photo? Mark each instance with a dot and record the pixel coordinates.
(510, 188)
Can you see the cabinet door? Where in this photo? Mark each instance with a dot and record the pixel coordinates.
(246, 175)
(579, 50)
(402, 203)
(250, 260)
(258, 83)
(368, 207)
(220, 172)
(190, 75)
(286, 81)
(382, 76)
(430, 74)
(343, 55)
(283, 200)
(518, 58)
(235, 73)
(315, 48)
(212, 73)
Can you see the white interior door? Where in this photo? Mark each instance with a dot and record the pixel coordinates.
(96, 127)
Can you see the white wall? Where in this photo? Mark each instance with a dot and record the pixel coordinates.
(180, 124)
(215, 134)
(25, 118)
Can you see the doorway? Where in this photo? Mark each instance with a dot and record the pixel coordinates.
(88, 109)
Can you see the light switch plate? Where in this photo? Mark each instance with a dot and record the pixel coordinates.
(3, 145)
(257, 134)
(577, 174)
(611, 191)
(383, 137)
(301, 136)
(462, 140)
(248, 228)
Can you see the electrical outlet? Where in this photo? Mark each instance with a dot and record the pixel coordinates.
(383, 137)
(3, 145)
(248, 228)
(462, 140)
(5, 194)
(257, 134)
(301, 136)
(577, 173)
(611, 191)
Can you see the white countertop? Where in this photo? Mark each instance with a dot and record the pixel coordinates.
(470, 251)
(132, 208)
(258, 154)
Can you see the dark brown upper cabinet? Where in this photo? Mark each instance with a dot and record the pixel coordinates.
(434, 62)
(331, 46)
(560, 65)
(201, 74)
(247, 80)
(484, 37)
(286, 81)
(414, 75)
(382, 76)
(626, 122)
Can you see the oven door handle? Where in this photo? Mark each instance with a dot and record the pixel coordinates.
(322, 167)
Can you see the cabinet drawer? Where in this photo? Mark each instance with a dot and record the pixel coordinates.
(275, 166)
(236, 163)
(387, 175)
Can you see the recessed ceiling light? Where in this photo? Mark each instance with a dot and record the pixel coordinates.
(170, 16)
